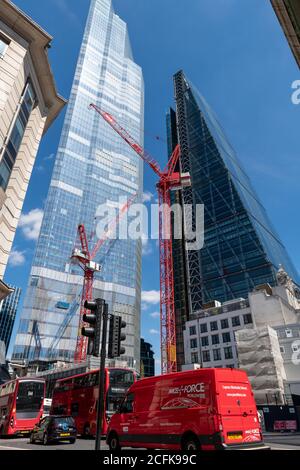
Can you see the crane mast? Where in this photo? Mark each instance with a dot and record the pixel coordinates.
(168, 179)
(86, 261)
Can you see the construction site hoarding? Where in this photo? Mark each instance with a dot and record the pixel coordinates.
(259, 355)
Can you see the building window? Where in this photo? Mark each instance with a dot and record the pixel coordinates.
(224, 324)
(247, 319)
(215, 339)
(194, 358)
(282, 350)
(228, 353)
(236, 321)
(193, 343)
(13, 144)
(204, 341)
(3, 47)
(289, 333)
(203, 328)
(295, 348)
(206, 356)
(192, 330)
(226, 337)
(213, 326)
(217, 354)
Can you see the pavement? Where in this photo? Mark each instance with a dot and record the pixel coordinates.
(277, 441)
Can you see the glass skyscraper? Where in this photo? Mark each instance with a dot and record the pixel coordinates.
(8, 311)
(241, 248)
(93, 165)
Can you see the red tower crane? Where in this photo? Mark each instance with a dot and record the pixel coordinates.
(85, 260)
(168, 179)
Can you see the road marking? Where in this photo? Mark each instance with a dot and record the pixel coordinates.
(275, 446)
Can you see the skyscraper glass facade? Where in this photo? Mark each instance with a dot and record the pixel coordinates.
(241, 248)
(93, 165)
(8, 311)
(147, 359)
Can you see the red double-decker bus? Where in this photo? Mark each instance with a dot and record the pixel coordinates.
(21, 405)
(78, 396)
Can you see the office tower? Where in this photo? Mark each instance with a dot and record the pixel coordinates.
(93, 165)
(29, 103)
(241, 248)
(147, 359)
(8, 310)
(288, 13)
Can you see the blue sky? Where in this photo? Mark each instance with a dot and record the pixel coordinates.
(235, 53)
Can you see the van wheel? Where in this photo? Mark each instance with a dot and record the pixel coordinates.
(113, 443)
(190, 443)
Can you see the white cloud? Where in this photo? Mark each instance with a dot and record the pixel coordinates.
(67, 11)
(151, 297)
(16, 258)
(153, 332)
(147, 248)
(40, 168)
(147, 196)
(157, 366)
(155, 315)
(31, 223)
(49, 157)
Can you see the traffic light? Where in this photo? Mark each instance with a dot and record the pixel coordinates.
(94, 320)
(116, 336)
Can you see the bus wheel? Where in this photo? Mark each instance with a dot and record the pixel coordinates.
(190, 442)
(86, 431)
(113, 443)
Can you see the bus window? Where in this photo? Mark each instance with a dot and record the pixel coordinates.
(75, 409)
(127, 405)
(59, 410)
(30, 398)
(113, 402)
(119, 377)
(119, 382)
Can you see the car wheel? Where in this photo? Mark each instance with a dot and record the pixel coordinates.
(45, 439)
(113, 443)
(32, 440)
(190, 443)
(72, 441)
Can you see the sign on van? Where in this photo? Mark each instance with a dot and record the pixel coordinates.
(198, 388)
